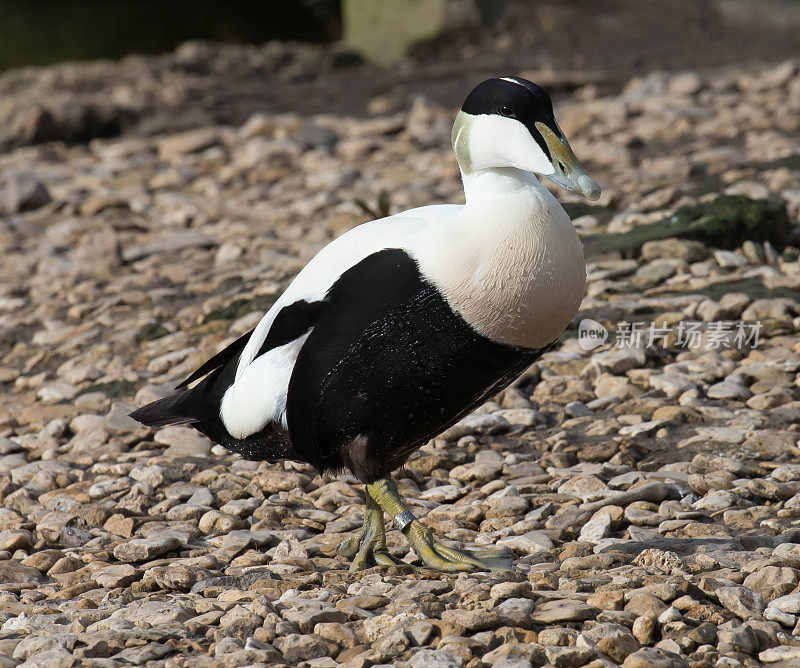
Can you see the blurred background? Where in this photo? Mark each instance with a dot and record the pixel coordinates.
(320, 56)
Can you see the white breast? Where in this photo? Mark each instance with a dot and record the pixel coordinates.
(512, 266)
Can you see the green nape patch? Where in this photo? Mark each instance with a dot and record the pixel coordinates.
(724, 222)
(113, 389)
(239, 307)
(151, 331)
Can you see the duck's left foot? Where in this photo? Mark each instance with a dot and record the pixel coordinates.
(433, 553)
(367, 548)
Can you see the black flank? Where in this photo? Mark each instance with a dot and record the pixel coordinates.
(387, 367)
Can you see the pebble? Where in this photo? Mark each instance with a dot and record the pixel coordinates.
(729, 259)
(183, 442)
(650, 657)
(552, 612)
(115, 575)
(429, 658)
(22, 191)
(789, 604)
(648, 493)
(596, 528)
(728, 390)
(784, 653)
(144, 549)
(741, 601)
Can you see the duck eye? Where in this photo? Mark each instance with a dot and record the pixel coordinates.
(507, 111)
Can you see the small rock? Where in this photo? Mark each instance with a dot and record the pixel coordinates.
(240, 622)
(682, 249)
(553, 612)
(145, 549)
(569, 657)
(296, 647)
(729, 259)
(15, 539)
(728, 390)
(184, 143)
(183, 442)
(687, 83)
(116, 575)
(644, 628)
(789, 603)
(307, 618)
(618, 648)
(784, 653)
(597, 528)
(22, 191)
(430, 658)
(472, 620)
(476, 424)
(650, 657)
(742, 602)
(772, 581)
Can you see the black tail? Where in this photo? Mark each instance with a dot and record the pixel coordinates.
(166, 411)
(199, 407)
(202, 401)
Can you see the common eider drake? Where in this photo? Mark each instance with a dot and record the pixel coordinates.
(403, 325)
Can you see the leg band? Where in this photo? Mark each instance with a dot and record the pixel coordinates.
(403, 519)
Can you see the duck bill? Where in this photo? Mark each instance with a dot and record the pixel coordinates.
(567, 169)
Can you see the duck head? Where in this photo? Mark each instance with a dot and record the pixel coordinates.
(508, 122)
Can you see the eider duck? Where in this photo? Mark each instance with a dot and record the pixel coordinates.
(402, 326)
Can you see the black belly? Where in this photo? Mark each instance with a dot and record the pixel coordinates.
(388, 366)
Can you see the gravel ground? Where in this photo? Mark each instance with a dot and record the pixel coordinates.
(651, 495)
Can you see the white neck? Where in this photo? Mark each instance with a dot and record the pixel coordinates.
(511, 197)
(498, 183)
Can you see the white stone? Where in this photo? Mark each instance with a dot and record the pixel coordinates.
(641, 428)
(597, 528)
(729, 259)
(789, 603)
(784, 653)
(776, 615)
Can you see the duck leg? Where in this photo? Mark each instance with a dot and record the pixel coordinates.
(433, 554)
(368, 547)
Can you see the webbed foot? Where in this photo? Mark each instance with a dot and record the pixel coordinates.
(438, 556)
(433, 553)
